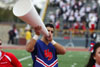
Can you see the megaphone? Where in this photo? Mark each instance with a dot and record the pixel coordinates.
(25, 10)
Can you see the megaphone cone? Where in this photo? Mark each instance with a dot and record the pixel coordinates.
(26, 12)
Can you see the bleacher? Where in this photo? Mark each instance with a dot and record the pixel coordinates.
(53, 8)
(65, 36)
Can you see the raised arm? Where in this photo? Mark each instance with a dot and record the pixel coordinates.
(31, 44)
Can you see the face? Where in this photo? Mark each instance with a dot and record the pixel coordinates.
(50, 31)
(97, 56)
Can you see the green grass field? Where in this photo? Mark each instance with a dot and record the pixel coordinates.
(70, 59)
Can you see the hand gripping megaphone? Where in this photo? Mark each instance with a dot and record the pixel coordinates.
(25, 10)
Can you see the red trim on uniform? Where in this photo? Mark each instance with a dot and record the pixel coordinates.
(41, 62)
(46, 65)
(54, 63)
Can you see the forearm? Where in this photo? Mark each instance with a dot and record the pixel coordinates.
(59, 48)
(30, 46)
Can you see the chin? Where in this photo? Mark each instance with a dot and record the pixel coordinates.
(49, 40)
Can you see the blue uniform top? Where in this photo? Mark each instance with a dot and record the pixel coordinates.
(44, 55)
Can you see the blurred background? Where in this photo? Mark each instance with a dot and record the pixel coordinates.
(74, 21)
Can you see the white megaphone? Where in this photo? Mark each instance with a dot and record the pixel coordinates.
(25, 10)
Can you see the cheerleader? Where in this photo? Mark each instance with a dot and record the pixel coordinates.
(94, 60)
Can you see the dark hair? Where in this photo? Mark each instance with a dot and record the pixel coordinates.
(93, 36)
(49, 25)
(91, 61)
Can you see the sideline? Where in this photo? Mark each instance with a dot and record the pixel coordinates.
(16, 47)
(25, 58)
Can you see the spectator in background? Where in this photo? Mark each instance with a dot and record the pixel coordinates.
(12, 35)
(16, 38)
(93, 19)
(94, 60)
(93, 41)
(57, 28)
(65, 29)
(92, 26)
(76, 26)
(52, 17)
(82, 27)
(65, 26)
(28, 34)
(57, 25)
(64, 18)
(88, 9)
(8, 59)
(57, 13)
(71, 20)
(94, 5)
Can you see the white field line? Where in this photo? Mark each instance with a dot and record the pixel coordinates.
(24, 58)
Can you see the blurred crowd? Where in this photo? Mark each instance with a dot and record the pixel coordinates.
(75, 14)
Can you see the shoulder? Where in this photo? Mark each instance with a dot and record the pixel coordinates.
(10, 54)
